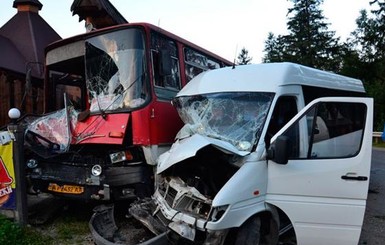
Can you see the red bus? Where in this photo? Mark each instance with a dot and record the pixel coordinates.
(108, 107)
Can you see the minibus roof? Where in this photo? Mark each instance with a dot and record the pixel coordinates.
(267, 77)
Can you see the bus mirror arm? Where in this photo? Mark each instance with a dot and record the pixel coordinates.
(165, 65)
(279, 151)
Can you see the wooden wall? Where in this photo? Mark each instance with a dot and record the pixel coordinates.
(12, 89)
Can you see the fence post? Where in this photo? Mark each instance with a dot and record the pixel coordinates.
(18, 163)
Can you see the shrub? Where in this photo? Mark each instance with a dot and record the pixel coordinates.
(10, 232)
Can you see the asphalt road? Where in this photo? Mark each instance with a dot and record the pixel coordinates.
(373, 231)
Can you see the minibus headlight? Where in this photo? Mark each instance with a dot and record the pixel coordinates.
(218, 212)
(244, 145)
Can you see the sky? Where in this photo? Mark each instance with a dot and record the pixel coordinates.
(221, 26)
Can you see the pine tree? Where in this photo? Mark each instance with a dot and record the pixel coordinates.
(243, 57)
(368, 43)
(309, 42)
(274, 49)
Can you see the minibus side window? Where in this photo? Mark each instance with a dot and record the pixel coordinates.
(329, 130)
(338, 130)
(284, 110)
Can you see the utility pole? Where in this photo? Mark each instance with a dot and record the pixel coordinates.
(18, 163)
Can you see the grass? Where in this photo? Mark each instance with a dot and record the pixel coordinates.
(69, 227)
(11, 233)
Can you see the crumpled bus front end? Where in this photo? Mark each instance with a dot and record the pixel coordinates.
(99, 89)
(75, 160)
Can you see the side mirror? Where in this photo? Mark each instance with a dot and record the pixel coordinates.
(165, 61)
(280, 150)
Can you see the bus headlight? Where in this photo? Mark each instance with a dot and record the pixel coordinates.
(121, 156)
(96, 170)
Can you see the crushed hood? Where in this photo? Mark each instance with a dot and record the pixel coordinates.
(188, 147)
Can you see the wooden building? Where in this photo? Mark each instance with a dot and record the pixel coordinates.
(97, 13)
(22, 42)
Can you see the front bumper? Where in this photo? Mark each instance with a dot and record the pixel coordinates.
(114, 183)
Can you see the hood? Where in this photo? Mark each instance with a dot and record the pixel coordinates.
(188, 147)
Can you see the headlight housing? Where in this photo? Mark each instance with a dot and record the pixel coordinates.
(121, 156)
(217, 212)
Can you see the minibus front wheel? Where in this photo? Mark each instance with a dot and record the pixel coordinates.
(259, 229)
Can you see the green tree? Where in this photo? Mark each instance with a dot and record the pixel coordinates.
(243, 57)
(365, 57)
(309, 42)
(274, 49)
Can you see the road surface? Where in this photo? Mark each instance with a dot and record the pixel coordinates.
(373, 231)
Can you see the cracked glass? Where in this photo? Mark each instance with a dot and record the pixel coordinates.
(115, 71)
(235, 117)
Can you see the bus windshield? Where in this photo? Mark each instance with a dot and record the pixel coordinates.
(115, 70)
(235, 117)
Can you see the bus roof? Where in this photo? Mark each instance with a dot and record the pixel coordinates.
(78, 39)
(267, 77)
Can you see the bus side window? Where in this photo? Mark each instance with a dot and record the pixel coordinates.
(197, 62)
(191, 71)
(166, 85)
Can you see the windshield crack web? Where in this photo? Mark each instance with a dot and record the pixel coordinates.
(233, 117)
(115, 71)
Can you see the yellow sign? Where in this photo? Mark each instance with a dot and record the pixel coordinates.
(7, 176)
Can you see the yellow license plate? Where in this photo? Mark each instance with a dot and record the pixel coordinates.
(70, 189)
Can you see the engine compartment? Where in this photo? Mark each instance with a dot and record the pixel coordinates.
(207, 172)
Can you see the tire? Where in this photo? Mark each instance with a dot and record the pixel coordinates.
(258, 231)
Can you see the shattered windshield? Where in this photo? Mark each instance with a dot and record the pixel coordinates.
(115, 70)
(233, 117)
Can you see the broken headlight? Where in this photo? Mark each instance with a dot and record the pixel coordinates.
(121, 156)
(217, 212)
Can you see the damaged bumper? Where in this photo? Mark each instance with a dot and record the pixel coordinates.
(164, 226)
(105, 231)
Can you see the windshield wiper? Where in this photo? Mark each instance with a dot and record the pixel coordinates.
(102, 112)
